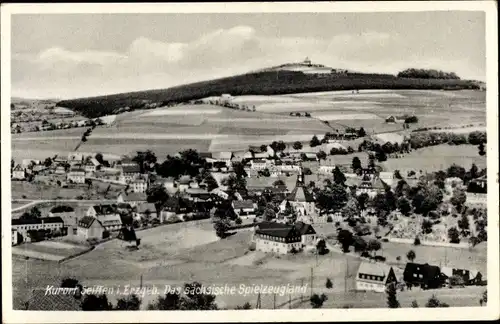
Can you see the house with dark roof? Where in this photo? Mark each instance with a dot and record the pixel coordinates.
(469, 277)
(111, 222)
(101, 210)
(244, 208)
(307, 233)
(424, 275)
(63, 300)
(175, 206)
(371, 186)
(129, 173)
(145, 210)
(374, 276)
(132, 198)
(277, 238)
(90, 228)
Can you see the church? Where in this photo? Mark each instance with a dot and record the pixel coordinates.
(301, 201)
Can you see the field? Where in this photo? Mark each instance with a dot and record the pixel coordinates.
(436, 158)
(205, 127)
(48, 250)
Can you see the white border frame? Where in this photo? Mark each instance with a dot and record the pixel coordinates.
(491, 311)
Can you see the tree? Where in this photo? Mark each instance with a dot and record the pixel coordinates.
(484, 298)
(158, 196)
(210, 182)
(297, 145)
(453, 235)
(131, 302)
(404, 206)
(397, 175)
(374, 245)
(433, 302)
(359, 244)
(411, 255)
(416, 241)
(351, 210)
(427, 226)
(480, 147)
(338, 176)
(195, 299)
(345, 238)
(328, 283)
(321, 247)
(318, 300)
(356, 164)
(414, 304)
(463, 223)
(361, 132)
(371, 162)
(33, 213)
(392, 300)
(321, 155)
(221, 227)
(244, 306)
(278, 183)
(48, 162)
(171, 301)
(96, 303)
(314, 141)
(362, 200)
(458, 199)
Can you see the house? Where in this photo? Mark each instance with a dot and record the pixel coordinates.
(469, 277)
(374, 276)
(101, 210)
(110, 222)
(145, 211)
(423, 275)
(76, 175)
(129, 173)
(198, 194)
(133, 198)
(70, 219)
(244, 208)
(301, 200)
(372, 186)
(220, 193)
(307, 233)
(310, 157)
(74, 157)
(23, 226)
(326, 169)
(40, 300)
(223, 157)
(259, 164)
(139, 185)
(168, 183)
(126, 161)
(60, 170)
(90, 228)
(14, 236)
(91, 165)
(175, 206)
(18, 173)
(277, 238)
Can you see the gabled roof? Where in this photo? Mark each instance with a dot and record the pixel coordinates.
(426, 269)
(110, 220)
(77, 170)
(243, 204)
(301, 194)
(18, 168)
(278, 230)
(374, 268)
(378, 184)
(134, 196)
(304, 228)
(87, 221)
(104, 209)
(40, 301)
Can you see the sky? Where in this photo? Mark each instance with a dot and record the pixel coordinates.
(81, 55)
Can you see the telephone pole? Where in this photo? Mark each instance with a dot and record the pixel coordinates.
(311, 281)
(290, 301)
(274, 301)
(257, 306)
(301, 294)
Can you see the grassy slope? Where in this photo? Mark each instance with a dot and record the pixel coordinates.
(261, 83)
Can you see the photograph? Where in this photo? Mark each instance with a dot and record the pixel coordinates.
(226, 158)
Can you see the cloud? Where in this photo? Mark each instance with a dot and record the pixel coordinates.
(149, 63)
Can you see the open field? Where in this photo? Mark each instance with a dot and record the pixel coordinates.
(206, 127)
(48, 250)
(436, 158)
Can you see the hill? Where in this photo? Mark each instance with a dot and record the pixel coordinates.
(256, 83)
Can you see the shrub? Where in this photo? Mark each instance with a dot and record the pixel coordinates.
(416, 241)
(329, 219)
(105, 234)
(238, 221)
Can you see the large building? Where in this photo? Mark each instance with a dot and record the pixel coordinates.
(277, 238)
(423, 275)
(76, 175)
(374, 276)
(23, 226)
(90, 228)
(18, 173)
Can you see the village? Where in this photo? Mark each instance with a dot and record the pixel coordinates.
(286, 198)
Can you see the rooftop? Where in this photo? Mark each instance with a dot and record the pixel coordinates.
(48, 220)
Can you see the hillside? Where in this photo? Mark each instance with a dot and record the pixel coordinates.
(257, 83)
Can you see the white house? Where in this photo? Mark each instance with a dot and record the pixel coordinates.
(244, 208)
(260, 164)
(111, 222)
(133, 198)
(90, 228)
(374, 276)
(139, 185)
(76, 175)
(129, 173)
(307, 233)
(23, 226)
(277, 238)
(18, 173)
(223, 157)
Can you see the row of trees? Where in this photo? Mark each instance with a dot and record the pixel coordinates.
(424, 139)
(427, 74)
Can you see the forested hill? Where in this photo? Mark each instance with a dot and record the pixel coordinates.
(259, 83)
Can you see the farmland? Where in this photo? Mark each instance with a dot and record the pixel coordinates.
(206, 127)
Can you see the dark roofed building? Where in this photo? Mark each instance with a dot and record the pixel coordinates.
(423, 275)
(101, 210)
(90, 228)
(132, 198)
(278, 238)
